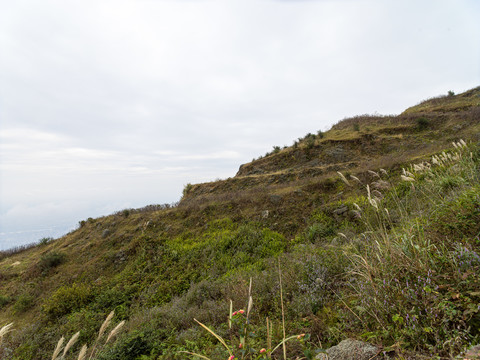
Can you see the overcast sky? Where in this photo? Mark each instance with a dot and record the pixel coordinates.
(106, 105)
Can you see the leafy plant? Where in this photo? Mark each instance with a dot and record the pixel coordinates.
(24, 302)
(51, 260)
(45, 240)
(4, 300)
(67, 299)
(422, 123)
(186, 189)
(243, 343)
(96, 348)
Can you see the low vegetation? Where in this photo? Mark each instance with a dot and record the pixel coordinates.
(256, 268)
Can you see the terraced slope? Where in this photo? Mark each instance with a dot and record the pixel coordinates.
(358, 144)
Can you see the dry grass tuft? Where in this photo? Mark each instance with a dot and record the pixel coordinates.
(58, 348)
(115, 331)
(82, 355)
(5, 329)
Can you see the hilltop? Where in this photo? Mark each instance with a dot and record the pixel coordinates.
(361, 252)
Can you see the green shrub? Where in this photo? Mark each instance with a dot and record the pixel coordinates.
(243, 247)
(23, 303)
(319, 231)
(45, 240)
(324, 226)
(202, 292)
(51, 260)
(449, 182)
(131, 346)
(186, 189)
(67, 299)
(422, 123)
(116, 298)
(4, 300)
(310, 143)
(459, 217)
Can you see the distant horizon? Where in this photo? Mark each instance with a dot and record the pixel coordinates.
(22, 237)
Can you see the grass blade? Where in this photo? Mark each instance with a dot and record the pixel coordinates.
(217, 336)
(195, 354)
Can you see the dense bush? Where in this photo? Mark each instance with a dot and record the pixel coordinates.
(459, 218)
(67, 299)
(422, 123)
(45, 240)
(24, 302)
(4, 300)
(51, 260)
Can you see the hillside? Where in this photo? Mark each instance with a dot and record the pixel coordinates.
(368, 256)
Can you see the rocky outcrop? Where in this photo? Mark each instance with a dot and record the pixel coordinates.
(472, 354)
(351, 349)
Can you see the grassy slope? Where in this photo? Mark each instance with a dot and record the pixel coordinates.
(160, 269)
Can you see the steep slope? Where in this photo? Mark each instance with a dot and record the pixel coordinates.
(161, 266)
(358, 144)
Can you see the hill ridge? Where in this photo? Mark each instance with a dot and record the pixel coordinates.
(341, 254)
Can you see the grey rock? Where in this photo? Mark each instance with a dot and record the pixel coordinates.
(350, 349)
(275, 199)
(472, 354)
(355, 214)
(265, 214)
(337, 154)
(340, 210)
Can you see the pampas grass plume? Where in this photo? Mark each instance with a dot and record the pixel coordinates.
(58, 348)
(373, 173)
(71, 342)
(105, 324)
(115, 331)
(407, 178)
(355, 178)
(5, 329)
(344, 179)
(83, 353)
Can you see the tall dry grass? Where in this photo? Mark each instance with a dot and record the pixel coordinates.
(60, 352)
(239, 346)
(400, 268)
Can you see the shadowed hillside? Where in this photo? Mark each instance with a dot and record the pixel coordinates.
(369, 231)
